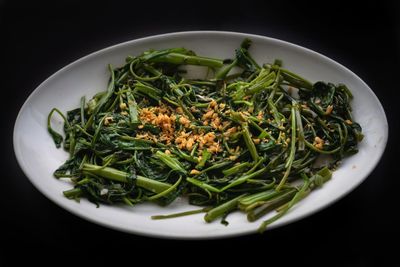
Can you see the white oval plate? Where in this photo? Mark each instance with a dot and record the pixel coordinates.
(38, 156)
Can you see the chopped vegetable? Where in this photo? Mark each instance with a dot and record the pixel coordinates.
(246, 141)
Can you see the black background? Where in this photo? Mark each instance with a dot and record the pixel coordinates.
(38, 39)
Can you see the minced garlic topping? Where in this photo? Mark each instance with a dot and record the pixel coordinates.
(178, 129)
(318, 142)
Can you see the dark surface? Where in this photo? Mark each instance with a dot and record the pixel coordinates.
(38, 40)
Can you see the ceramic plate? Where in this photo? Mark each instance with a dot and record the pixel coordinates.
(38, 157)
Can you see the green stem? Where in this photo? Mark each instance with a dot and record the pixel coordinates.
(203, 185)
(249, 143)
(290, 159)
(83, 101)
(261, 196)
(120, 176)
(279, 200)
(171, 162)
(110, 90)
(244, 178)
(181, 59)
(296, 198)
(296, 79)
(221, 74)
(236, 169)
(179, 214)
(57, 138)
(222, 209)
(74, 193)
(166, 192)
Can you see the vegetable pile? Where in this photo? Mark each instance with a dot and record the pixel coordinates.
(245, 137)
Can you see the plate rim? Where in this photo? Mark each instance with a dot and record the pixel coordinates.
(219, 234)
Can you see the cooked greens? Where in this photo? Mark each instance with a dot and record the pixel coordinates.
(246, 137)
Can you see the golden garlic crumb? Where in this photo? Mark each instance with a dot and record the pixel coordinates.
(319, 145)
(189, 143)
(108, 120)
(122, 106)
(260, 115)
(230, 131)
(213, 104)
(194, 172)
(179, 110)
(216, 122)
(208, 115)
(318, 142)
(209, 137)
(184, 121)
(329, 109)
(214, 148)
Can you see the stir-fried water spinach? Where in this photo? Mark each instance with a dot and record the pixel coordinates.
(246, 137)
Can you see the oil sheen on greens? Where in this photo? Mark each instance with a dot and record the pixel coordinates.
(248, 137)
